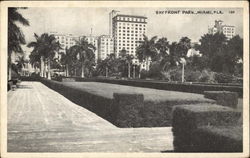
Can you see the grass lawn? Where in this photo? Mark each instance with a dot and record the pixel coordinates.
(107, 90)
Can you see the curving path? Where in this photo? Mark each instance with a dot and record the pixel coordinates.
(42, 120)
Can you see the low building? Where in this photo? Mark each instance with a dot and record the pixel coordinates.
(227, 30)
(105, 46)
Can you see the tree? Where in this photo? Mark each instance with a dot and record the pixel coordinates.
(162, 45)
(21, 61)
(85, 53)
(66, 60)
(213, 49)
(183, 46)
(234, 54)
(108, 65)
(126, 58)
(15, 36)
(45, 48)
(146, 49)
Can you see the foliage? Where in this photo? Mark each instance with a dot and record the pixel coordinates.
(146, 49)
(15, 36)
(219, 54)
(84, 52)
(224, 78)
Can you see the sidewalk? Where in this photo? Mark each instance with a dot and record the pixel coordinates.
(42, 120)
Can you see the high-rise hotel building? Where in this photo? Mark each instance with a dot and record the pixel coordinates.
(227, 30)
(127, 31)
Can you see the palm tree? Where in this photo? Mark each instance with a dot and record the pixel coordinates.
(37, 54)
(45, 48)
(127, 58)
(51, 46)
(66, 60)
(162, 45)
(146, 50)
(15, 36)
(85, 53)
(21, 62)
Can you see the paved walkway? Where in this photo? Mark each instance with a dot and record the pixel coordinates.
(42, 120)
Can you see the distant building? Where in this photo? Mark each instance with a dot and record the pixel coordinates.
(127, 31)
(105, 46)
(94, 41)
(227, 30)
(66, 41)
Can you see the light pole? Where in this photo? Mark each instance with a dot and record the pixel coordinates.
(183, 62)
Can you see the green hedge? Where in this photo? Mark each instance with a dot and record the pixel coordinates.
(204, 128)
(100, 105)
(182, 87)
(123, 110)
(224, 98)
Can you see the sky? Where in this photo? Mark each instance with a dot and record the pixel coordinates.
(79, 21)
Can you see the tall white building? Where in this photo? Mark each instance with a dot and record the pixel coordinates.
(94, 41)
(227, 30)
(127, 31)
(105, 46)
(65, 40)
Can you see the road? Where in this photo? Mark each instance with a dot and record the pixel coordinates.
(42, 120)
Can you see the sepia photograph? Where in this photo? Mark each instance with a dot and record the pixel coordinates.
(125, 78)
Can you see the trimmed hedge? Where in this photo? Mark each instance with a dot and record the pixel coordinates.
(100, 105)
(206, 128)
(123, 110)
(127, 109)
(182, 87)
(224, 98)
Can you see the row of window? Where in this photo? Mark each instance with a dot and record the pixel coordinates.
(136, 40)
(132, 31)
(228, 28)
(228, 32)
(131, 19)
(107, 39)
(130, 24)
(136, 28)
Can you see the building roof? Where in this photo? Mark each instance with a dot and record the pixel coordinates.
(133, 16)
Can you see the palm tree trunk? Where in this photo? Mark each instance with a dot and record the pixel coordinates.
(82, 75)
(106, 71)
(45, 70)
(128, 70)
(49, 75)
(139, 75)
(134, 71)
(42, 66)
(67, 70)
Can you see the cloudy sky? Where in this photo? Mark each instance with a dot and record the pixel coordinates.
(79, 21)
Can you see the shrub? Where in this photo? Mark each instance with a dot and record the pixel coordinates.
(188, 120)
(192, 76)
(224, 98)
(127, 109)
(223, 78)
(207, 76)
(175, 74)
(144, 74)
